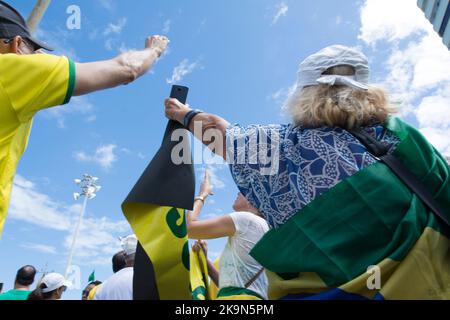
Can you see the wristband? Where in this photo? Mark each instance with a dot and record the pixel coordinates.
(189, 116)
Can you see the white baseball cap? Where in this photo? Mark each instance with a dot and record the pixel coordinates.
(54, 281)
(129, 244)
(310, 72)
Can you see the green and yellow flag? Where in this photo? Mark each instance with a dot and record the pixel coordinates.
(155, 209)
(199, 276)
(369, 237)
(92, 276)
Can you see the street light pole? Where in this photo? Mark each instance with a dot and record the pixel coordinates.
(88, 190)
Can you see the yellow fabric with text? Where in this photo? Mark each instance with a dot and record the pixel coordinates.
(162, 233)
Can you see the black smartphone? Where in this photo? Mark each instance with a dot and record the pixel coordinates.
(180, 93)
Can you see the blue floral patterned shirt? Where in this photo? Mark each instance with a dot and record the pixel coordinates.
(282, 168)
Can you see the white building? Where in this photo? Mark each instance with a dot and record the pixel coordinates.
(438, 13)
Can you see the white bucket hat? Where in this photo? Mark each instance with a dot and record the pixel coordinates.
(54, 281)
(310, 72)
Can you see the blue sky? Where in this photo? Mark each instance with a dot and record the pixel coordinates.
(240, 60)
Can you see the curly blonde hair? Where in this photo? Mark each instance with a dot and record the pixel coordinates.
(338, 106)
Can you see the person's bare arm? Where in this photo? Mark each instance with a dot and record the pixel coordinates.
(176, 111)
(211, 229)
(123, 69)
(207, 229)
(213, 272)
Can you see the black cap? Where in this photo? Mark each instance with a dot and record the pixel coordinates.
(12, 24)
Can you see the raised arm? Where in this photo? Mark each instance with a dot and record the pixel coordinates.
(123, 69)
(210, 125)
(207, 229)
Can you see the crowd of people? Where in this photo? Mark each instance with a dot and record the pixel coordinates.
(51, 286)
(334, 202)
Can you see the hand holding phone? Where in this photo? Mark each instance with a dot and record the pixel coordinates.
(180, 93)
(176, 110)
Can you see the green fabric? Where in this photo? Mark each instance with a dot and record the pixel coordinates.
(199, 291)
(235, 291)
(364, 219)
(72, 79)
(15, 295)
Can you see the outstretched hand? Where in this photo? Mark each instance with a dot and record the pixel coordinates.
(206, 188)
(157, 43)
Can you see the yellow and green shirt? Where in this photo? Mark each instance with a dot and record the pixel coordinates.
(28, 83)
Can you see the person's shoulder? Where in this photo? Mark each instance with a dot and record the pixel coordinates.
(14, 295)
(125, 272)
(32, 60)
(29, 57)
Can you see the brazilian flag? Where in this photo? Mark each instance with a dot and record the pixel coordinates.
(369, 237)
(155, 209)
(199, 276)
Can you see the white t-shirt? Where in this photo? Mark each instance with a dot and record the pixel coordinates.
(236, 266)
(117, 287)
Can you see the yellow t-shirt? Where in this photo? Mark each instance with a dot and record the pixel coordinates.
(28, 83)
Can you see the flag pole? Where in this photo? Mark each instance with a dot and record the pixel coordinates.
(36, 15)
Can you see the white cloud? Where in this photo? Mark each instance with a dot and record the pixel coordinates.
(77, 105)
(107, 4)
(416, 69)
(109, 43)
(141, 155)
(111, 32)
(182, 70)
(166, 27)
(115, 28)
(282, 10)
(434, 111)
(97, 239)
(439, 138)
(40, 248)
(28, 204)
(338, 20)
(103, 156)
(281, 95)
(389, 20)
